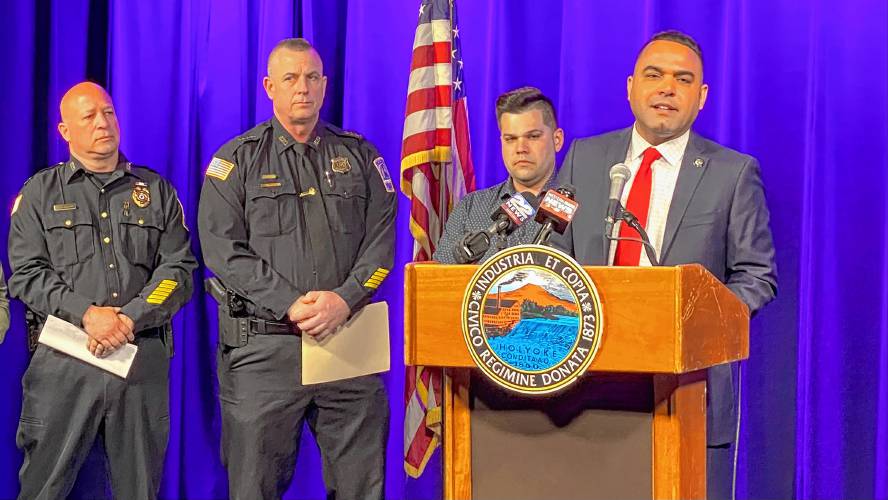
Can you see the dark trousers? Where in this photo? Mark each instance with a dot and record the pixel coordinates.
(67, 404)
(721, 463)
(720, 472)
(264, 405)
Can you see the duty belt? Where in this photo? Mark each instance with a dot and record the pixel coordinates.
(267, 327)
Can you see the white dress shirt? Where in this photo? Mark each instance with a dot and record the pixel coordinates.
(664, 176)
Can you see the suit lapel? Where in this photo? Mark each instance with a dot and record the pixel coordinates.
(693, 165)
(616, 153)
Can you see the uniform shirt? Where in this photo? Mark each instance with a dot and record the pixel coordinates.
(76, 240)
(664, 175)
(279, 218)
(472, 214)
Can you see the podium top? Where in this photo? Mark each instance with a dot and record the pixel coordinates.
(656, 319)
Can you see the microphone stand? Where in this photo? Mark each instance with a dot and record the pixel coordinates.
(629, 218)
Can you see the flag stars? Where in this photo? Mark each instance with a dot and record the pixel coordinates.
(421, 9)
(455, 32)
(457, 84)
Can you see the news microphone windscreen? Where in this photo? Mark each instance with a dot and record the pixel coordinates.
(558, 208)
(521, 207)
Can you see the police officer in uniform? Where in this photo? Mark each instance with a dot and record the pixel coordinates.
(100, 243)
(296, 219)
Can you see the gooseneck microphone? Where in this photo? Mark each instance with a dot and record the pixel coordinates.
(619, 175)
(557, 209)
(515, 211)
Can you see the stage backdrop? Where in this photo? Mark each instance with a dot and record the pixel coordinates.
(800, 85)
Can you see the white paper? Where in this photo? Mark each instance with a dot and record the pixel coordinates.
(67, 338)
(360, 347)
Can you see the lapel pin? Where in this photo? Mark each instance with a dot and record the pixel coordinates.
(698, 162)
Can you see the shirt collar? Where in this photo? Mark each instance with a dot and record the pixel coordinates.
(74, 168)
(671, 150)
(507, 188)
(283, 139)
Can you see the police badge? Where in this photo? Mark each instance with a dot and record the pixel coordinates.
(141, 195)
(340, 165)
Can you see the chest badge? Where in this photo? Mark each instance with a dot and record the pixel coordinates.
(141, 195)
(340, 165)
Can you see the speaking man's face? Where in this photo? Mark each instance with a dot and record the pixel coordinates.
(666, 90)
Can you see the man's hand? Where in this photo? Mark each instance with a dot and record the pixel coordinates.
(319, 314)
(106, 329)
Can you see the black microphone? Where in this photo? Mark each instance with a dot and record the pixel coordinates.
(557, 209)
(515, 211)
(651, 252)
(619, 175)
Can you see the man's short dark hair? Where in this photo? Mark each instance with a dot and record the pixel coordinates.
(677, 37)
(294, 44)
(524, 99)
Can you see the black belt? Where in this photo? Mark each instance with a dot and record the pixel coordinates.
(157, 331)
(269, 327)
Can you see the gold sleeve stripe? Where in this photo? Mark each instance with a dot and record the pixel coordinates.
(220, 168)
(15, 204)
(162, 292)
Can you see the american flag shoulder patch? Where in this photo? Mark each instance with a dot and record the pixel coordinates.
(161, 292)
(220, 168)
(379, 163)
(374, 281)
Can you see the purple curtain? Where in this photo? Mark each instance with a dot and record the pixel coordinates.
(800, 85)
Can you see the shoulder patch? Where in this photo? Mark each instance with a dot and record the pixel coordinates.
(16, 203)
(220, 168)
(379, 163)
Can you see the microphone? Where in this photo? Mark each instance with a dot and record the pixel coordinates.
(515, 211)
(629, 218)
(619, 175)
(557, 209)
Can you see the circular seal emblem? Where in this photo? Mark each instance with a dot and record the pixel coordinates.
(531, 318)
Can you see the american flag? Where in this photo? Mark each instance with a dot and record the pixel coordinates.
(436, 171)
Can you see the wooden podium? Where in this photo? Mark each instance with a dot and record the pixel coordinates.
(663, 326)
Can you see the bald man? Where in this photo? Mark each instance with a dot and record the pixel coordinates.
(296, 219)
(100, 243)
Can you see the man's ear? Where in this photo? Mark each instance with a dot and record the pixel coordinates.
(63, 130)
(268, 85)
(558, 135)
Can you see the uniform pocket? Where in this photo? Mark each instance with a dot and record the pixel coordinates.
(347, 208)
(272, 208)
(70, 237)
(140, 233)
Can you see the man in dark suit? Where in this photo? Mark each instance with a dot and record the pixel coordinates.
(698, 201)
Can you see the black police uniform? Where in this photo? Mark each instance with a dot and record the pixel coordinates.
(78, 239)
(277, 219)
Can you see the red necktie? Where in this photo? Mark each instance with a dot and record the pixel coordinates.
(629, 252)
